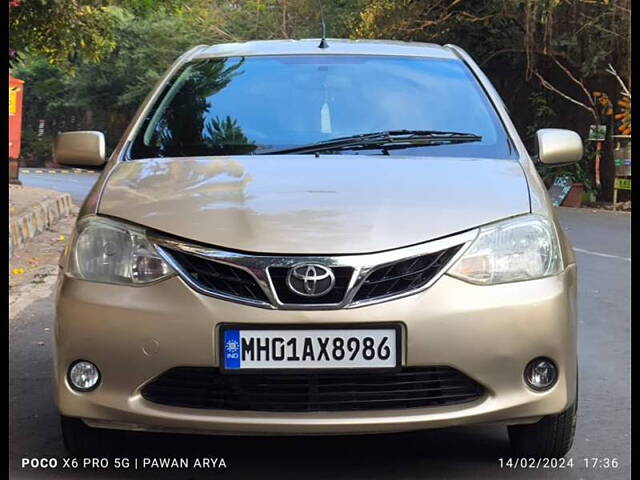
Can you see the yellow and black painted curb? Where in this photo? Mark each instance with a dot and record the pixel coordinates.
(56, 170)
(38, 218)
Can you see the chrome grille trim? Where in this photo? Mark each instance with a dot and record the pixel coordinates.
(258, 266)
(435, 266)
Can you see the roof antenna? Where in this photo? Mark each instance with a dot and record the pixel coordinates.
(323, 42)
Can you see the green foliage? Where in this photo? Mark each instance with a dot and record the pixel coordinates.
(89, 63)
(103, 96)
(277, 19)
(45, 90)
(62, 31)
(145, 49)
(35, 150)
(542, 113)
(46, 98)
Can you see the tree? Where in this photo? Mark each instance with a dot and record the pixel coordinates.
(546, 57)
(527, 48)
(61, 30)
(277, 19)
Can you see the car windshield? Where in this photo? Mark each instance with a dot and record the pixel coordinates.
(251, 105)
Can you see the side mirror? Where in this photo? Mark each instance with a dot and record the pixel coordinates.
(558, 147)
(82, 149)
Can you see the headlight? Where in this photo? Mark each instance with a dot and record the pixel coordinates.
(112, 252)
(522, 248)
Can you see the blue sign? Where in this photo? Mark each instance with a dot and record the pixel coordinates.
(231, 349)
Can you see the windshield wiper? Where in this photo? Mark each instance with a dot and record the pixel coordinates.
(387, 140)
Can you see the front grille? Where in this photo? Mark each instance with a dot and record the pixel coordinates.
(204, 387)
(335, 295)
(404, 275)
(219, 277)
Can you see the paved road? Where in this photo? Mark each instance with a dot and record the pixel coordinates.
(76, 184)
(602, 242)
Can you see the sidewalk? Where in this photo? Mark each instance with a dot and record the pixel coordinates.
(31, 211)
(619, 207)
(40, 224)
(22, 198)
(33, 269)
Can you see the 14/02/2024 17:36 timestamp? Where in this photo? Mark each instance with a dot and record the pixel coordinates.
(593, 463)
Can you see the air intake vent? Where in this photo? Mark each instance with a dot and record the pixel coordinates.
(404, 275)
(219, 277)
(205, 387)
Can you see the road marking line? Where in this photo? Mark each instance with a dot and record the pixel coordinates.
(598, 254)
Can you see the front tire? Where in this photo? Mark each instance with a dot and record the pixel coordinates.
(551, 437)
(81, 440)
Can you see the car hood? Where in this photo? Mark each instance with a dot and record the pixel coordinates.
(300, 204)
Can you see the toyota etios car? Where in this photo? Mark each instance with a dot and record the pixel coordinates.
(299, 240)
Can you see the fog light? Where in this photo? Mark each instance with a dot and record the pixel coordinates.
(84, 376)
(540, 374)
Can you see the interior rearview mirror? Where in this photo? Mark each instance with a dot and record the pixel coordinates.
(83, 148)
(558, 147)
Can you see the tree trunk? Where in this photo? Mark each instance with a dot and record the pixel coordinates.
(88, 119)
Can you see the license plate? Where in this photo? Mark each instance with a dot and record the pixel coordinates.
(260, 348)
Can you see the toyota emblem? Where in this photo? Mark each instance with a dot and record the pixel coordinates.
(310, 279)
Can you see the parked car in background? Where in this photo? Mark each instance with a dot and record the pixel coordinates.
(300, 240)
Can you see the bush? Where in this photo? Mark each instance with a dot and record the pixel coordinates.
(35, 151)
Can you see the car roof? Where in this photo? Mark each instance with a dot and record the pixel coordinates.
(336, 47)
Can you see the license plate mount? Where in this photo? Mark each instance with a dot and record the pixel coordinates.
(309, 348)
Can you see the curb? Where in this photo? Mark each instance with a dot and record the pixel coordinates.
(55, 170)
(41, 216)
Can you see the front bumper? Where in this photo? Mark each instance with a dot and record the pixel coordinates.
(489, 333)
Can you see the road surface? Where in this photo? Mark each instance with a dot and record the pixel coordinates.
(602, 243)
(76, 184)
